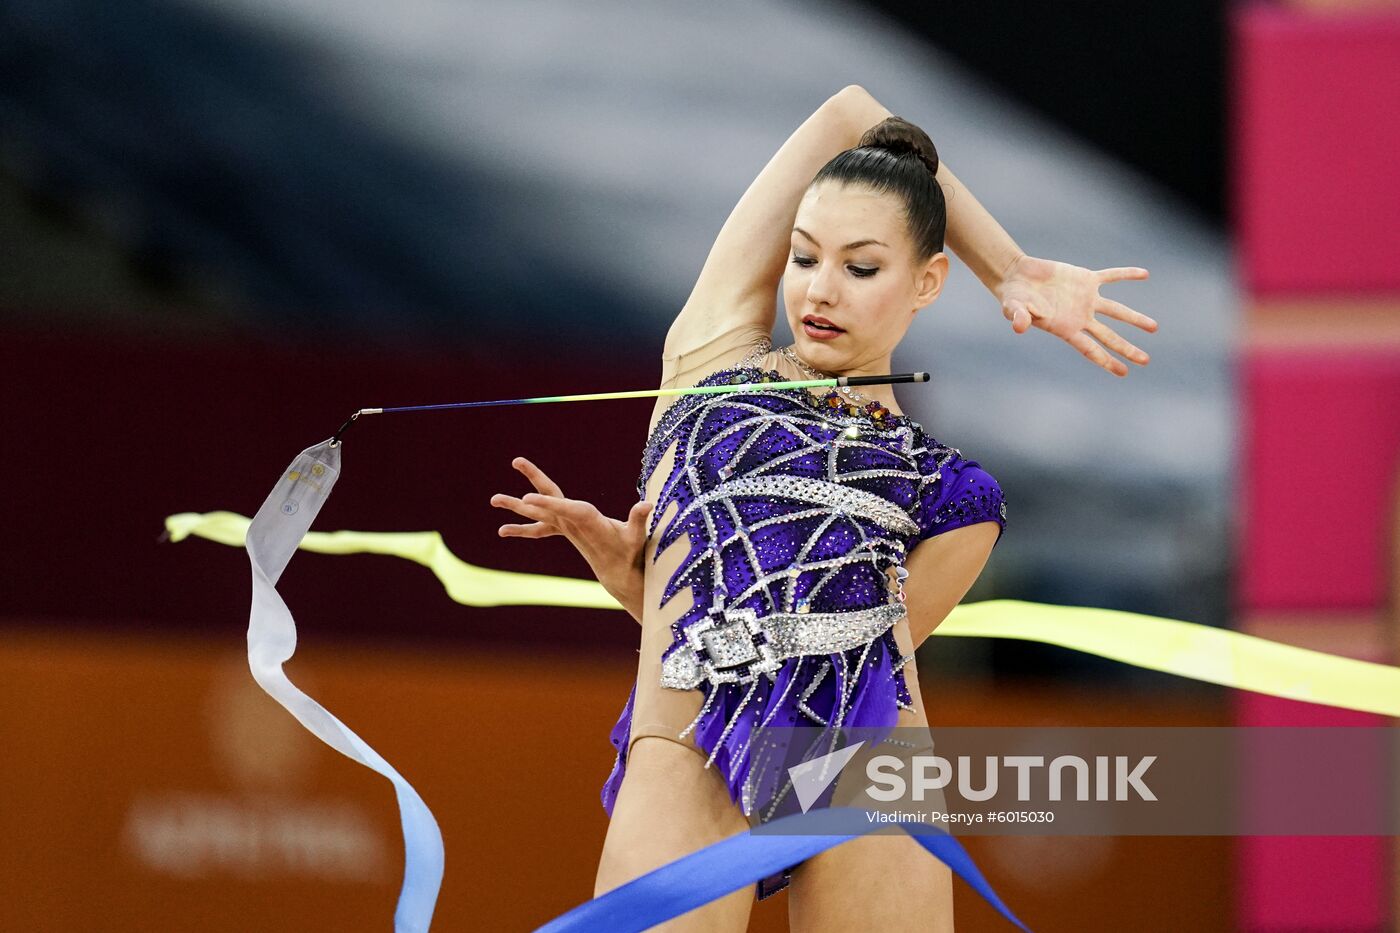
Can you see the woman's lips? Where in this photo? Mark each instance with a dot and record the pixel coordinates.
(829, 332)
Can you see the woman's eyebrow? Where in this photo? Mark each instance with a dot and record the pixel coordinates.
(857, 244)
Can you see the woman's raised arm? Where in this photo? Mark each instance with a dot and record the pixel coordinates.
(739, 281)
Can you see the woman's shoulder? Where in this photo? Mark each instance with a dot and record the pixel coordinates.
(956, 489)
(936, 457)
(688, 364)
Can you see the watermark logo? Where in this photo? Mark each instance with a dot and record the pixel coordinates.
(811, 778)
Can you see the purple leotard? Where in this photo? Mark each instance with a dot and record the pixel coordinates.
(800, 511)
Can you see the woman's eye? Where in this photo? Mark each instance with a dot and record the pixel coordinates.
(859, 271)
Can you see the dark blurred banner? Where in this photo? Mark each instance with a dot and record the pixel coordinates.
(428, 203)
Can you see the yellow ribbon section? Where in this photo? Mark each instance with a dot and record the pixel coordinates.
(466, 583)
(1187, 649)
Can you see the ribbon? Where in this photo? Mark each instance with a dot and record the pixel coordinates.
(730, 864)
(1186, 649)
(466, 583)
(272, 537)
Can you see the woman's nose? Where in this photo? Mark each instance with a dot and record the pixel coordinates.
(822, 289)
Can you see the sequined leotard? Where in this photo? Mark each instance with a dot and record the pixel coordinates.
(800, 511)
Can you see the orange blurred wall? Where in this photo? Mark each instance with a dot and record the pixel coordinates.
(151, 785)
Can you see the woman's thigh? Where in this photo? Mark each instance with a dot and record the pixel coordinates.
(669, 806)
(874, 882)
(877, 881)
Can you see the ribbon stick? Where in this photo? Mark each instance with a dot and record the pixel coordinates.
(272, 537)
(1186, 649)
(832, 382)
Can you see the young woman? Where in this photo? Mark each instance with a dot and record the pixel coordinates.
(801, 546)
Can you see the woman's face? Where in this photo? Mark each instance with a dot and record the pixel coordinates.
(849, 305)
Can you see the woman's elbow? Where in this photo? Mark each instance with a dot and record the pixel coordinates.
(849, 95)
(858, 108)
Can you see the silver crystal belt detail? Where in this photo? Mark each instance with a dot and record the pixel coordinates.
(737, 645)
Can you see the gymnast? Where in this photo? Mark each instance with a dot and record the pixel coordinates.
(791, 549)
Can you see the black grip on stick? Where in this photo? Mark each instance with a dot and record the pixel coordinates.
(881, 380)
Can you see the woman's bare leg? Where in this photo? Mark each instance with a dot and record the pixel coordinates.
(877, 881)
(670, 804)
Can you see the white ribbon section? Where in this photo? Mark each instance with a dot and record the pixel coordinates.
(273, 537)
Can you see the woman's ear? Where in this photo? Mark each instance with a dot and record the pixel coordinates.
(931, 279)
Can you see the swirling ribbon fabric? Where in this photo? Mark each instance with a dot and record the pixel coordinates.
(282, 525)
(272, 538)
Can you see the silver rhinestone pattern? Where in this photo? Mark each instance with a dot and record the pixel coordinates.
(843, 500)
(743, 646)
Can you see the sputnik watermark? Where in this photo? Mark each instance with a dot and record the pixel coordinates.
(936, 773)
(889, 784)
(1290, 781)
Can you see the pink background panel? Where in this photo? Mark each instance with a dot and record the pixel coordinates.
(1315, 172)
(1318, 471)
(1292, 883)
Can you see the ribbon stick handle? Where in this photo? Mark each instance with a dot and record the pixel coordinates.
(881, 380)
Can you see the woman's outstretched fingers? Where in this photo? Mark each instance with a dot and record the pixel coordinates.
(1116, 309)
(537, 478)
(1115, 342)
(532, 530)
(543, 526)
(1096, 354)
(1118, 273)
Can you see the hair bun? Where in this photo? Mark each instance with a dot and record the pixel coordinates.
(900, 137)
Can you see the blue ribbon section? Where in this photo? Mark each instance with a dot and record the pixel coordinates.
(744, 859)
(273, 537)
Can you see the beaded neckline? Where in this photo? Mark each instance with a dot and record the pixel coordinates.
(735, 376)
(832, 402)
(740, 374)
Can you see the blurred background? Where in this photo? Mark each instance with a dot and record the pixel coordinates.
(226, 225)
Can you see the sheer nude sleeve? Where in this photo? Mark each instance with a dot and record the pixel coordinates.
(725, 349)
(729, 347)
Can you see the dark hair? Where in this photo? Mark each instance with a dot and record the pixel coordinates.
(895, 155)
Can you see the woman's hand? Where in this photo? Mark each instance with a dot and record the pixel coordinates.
(1063, 299)
(612, 548)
